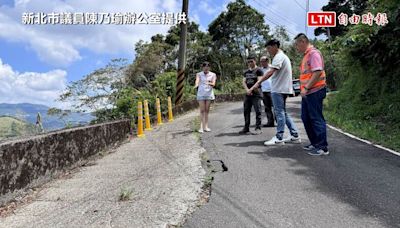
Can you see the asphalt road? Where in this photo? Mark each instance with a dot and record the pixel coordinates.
(358, 185)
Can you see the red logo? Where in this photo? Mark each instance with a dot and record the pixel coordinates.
(321, 19)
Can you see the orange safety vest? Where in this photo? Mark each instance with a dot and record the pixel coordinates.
(306, 74)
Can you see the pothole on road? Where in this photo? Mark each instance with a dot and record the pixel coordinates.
(217, 166)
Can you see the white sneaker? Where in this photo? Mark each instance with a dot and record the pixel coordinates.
(207, 129)
(292, 139)
(274, 141)
(200, 130)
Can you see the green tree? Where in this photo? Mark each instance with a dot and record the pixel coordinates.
(14, 130)
(98, 89)
(348, 7)
(198, 49)
(367, 58)
(239, 31)
(61, 114)
(280, 33)
(151, 59)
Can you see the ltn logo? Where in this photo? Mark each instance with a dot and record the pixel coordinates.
(321, 19)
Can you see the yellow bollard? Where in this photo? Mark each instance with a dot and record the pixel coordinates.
(170, 115)
(147, 116)
(140, 120)
(158, 105)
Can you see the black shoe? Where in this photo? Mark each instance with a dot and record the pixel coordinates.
(244, 131)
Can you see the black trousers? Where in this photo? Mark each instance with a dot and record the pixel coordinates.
(252, 101)
(267, 100)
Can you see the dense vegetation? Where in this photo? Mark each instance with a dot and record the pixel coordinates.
(366, 68)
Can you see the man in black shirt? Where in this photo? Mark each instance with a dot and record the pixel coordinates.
(253, 98)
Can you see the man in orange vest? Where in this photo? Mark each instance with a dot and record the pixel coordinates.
(313, 92)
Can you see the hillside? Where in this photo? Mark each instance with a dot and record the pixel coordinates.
(28, 112)
(13, 127)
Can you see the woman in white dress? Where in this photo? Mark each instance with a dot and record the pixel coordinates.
(205, 82)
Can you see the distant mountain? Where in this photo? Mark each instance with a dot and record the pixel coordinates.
(28, 112)
(13, 127)
(11, 109)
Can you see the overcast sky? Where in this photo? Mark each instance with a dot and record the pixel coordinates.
(37, 61)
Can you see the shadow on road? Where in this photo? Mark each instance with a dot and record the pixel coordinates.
(230, 134)
(181, 133)
(355, 173)
(237, 111)
(246, 144)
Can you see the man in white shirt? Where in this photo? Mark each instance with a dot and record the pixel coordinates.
(266, 89)
(281, 88)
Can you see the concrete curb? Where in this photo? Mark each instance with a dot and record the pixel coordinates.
(363, 140)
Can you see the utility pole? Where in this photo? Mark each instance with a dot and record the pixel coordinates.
(328, 32)
(307, 9)
(182, 56)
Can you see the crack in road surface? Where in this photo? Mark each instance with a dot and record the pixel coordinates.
(281, 186)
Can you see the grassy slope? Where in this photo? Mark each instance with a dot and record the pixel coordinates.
(20, 127)
(353, 117)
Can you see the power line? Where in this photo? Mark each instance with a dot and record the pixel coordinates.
(264, 6)
(275, 13)
(277, 24)
(274, 22)
(299, 5)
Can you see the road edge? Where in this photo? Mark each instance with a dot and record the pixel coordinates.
(363, 140)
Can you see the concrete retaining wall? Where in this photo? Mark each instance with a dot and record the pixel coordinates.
(37, 158)
(23, 161)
